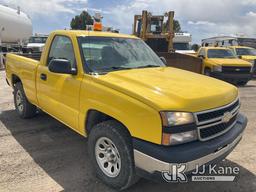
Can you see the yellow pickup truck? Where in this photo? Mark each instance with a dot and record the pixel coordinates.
(140, 117)
(222, 63)
(247, 54)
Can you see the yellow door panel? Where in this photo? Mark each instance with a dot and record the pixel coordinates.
(58, 94)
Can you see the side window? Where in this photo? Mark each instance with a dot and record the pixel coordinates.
(62, 48)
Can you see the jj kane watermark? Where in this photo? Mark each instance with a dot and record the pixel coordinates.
(180, 173)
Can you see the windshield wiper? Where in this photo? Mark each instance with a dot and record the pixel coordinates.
(148, 66)
(114, 68)
(120, 68)
(108, 69)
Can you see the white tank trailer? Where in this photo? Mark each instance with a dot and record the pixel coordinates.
(15, 26)
(15, 29)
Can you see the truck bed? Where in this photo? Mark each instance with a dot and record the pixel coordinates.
(25, 68)
(35, 56)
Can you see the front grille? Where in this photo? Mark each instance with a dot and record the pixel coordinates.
(216, 129)
(216, 113)
(232, 69)
(215, 122)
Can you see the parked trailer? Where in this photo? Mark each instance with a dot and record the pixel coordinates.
(182, 43)
(15, 29)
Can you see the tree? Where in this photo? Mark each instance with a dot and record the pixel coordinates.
(176, 26)
(80, 21)
(195, 47)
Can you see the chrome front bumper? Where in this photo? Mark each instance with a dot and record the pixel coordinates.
(151, 164)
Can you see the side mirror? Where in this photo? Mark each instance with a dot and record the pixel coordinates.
(163, 60)
(201, 56)
(61, 66)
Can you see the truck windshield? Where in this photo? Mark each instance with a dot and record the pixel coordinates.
(245, 51)
(37, 39)
(181, 46)
(106, 54)
(221, 53)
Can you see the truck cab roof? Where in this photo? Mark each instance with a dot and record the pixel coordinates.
(237, 46)
(80, 33)
(207, 48)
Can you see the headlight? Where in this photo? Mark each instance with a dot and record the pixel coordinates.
(178, 128)
(176, 118)
(217, 68)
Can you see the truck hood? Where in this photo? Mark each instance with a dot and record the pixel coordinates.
(230, 62)
(167, 88)
(248, 57)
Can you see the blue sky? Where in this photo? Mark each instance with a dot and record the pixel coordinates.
(202, 18)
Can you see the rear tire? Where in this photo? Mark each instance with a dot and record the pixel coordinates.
(118, 171)
(23, 107)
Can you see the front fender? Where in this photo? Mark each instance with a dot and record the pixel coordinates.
(141, 120)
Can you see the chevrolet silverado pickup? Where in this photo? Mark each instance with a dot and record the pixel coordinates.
(140, 116)
(222, 63)
(247, 54)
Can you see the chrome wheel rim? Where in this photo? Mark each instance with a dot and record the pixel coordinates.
(108, 157)
(19, 99)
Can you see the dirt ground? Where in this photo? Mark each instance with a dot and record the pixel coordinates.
(41, 154)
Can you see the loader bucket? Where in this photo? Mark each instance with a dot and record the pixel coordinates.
(183, 61)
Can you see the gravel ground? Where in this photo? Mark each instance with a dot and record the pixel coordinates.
(42, 154)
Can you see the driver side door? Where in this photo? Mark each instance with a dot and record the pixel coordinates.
(58, 94)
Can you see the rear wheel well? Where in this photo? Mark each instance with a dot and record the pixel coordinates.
(15, 79)
(95, 117)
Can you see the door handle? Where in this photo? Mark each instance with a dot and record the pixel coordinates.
(43, 76)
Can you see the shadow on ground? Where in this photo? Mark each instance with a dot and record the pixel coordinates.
(62, 154)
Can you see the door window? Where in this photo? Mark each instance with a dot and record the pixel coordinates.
(62, 48)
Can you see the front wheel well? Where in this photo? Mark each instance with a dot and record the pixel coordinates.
(95, 117)
(15, 79)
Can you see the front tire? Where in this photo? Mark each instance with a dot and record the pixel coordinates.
(111, 152)
(23, 107)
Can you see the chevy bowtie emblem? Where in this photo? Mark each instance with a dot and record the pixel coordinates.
(237, 69)
(226, 117)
